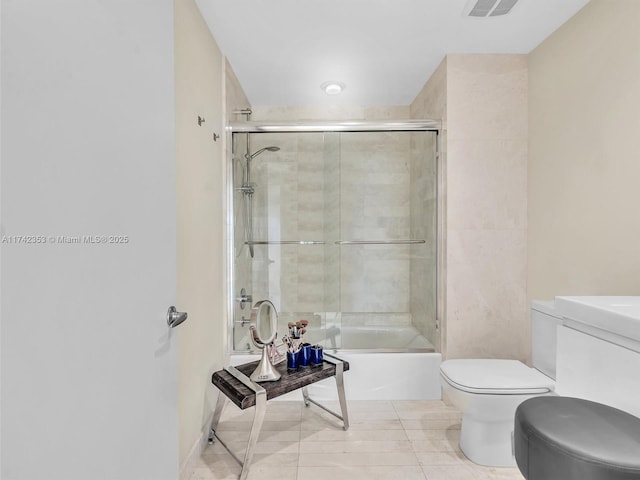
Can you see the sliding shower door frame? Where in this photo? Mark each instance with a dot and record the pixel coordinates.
(424, 125)
(325, 127)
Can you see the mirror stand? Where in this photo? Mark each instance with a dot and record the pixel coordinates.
(265, 371)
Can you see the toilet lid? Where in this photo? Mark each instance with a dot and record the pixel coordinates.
(496, 377)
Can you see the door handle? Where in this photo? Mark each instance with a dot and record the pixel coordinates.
(174, 317)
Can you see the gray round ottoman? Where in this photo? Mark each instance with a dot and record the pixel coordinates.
(564, 438)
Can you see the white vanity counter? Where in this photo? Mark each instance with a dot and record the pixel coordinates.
(606, 317)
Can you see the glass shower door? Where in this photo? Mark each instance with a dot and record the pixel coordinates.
(285, 256)
(387, 240)
(342, 234)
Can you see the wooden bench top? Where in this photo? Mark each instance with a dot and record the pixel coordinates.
(244, 397)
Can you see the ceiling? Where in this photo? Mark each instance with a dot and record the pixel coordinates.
(382, 50)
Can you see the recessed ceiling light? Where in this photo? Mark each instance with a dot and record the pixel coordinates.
(332, 87)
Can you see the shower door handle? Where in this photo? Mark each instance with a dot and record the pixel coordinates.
(174, 317)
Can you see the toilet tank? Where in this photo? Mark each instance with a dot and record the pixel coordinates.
(544, 334)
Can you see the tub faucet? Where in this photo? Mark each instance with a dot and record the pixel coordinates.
(244, 298)
(243, 322)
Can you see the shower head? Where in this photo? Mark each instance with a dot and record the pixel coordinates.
(253, 155)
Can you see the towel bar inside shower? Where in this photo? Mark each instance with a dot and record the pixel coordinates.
(337, 242)
(379, 242)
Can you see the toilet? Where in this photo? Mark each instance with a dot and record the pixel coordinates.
(488, 391)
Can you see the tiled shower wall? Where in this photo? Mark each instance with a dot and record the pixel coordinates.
(289, 205)
(374, 195)
(331, 212)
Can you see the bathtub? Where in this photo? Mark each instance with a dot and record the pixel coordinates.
(378, 339)
(386, 363)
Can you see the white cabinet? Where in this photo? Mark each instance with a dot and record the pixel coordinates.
(598, 356)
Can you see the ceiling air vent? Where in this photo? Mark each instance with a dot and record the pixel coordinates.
(489, 8)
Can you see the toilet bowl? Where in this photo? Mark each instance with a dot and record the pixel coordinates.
(488, 391)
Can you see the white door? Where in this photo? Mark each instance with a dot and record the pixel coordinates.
(89, 251)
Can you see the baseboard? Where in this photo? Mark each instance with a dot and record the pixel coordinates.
(189, 465)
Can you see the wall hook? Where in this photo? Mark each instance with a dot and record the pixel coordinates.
(215, 137)
(200, 120)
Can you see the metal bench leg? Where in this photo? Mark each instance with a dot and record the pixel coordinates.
(258, 419)
(339, 376)
(341, 395)
(217, 413)
(305, 396)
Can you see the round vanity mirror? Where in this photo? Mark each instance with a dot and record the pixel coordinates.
(264, 323)
(264, 328)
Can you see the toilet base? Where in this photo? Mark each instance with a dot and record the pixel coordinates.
(487, 443)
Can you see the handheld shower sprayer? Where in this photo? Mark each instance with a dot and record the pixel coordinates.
(255, 154)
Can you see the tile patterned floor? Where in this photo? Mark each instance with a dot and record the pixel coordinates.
(399, 440)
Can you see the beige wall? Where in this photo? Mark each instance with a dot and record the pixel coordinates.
(199, 68)
(487, 314)
(329, 112)
(235, 98)
(483, 102)
(584, 167)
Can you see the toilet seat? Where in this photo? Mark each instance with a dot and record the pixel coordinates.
(495, 377)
